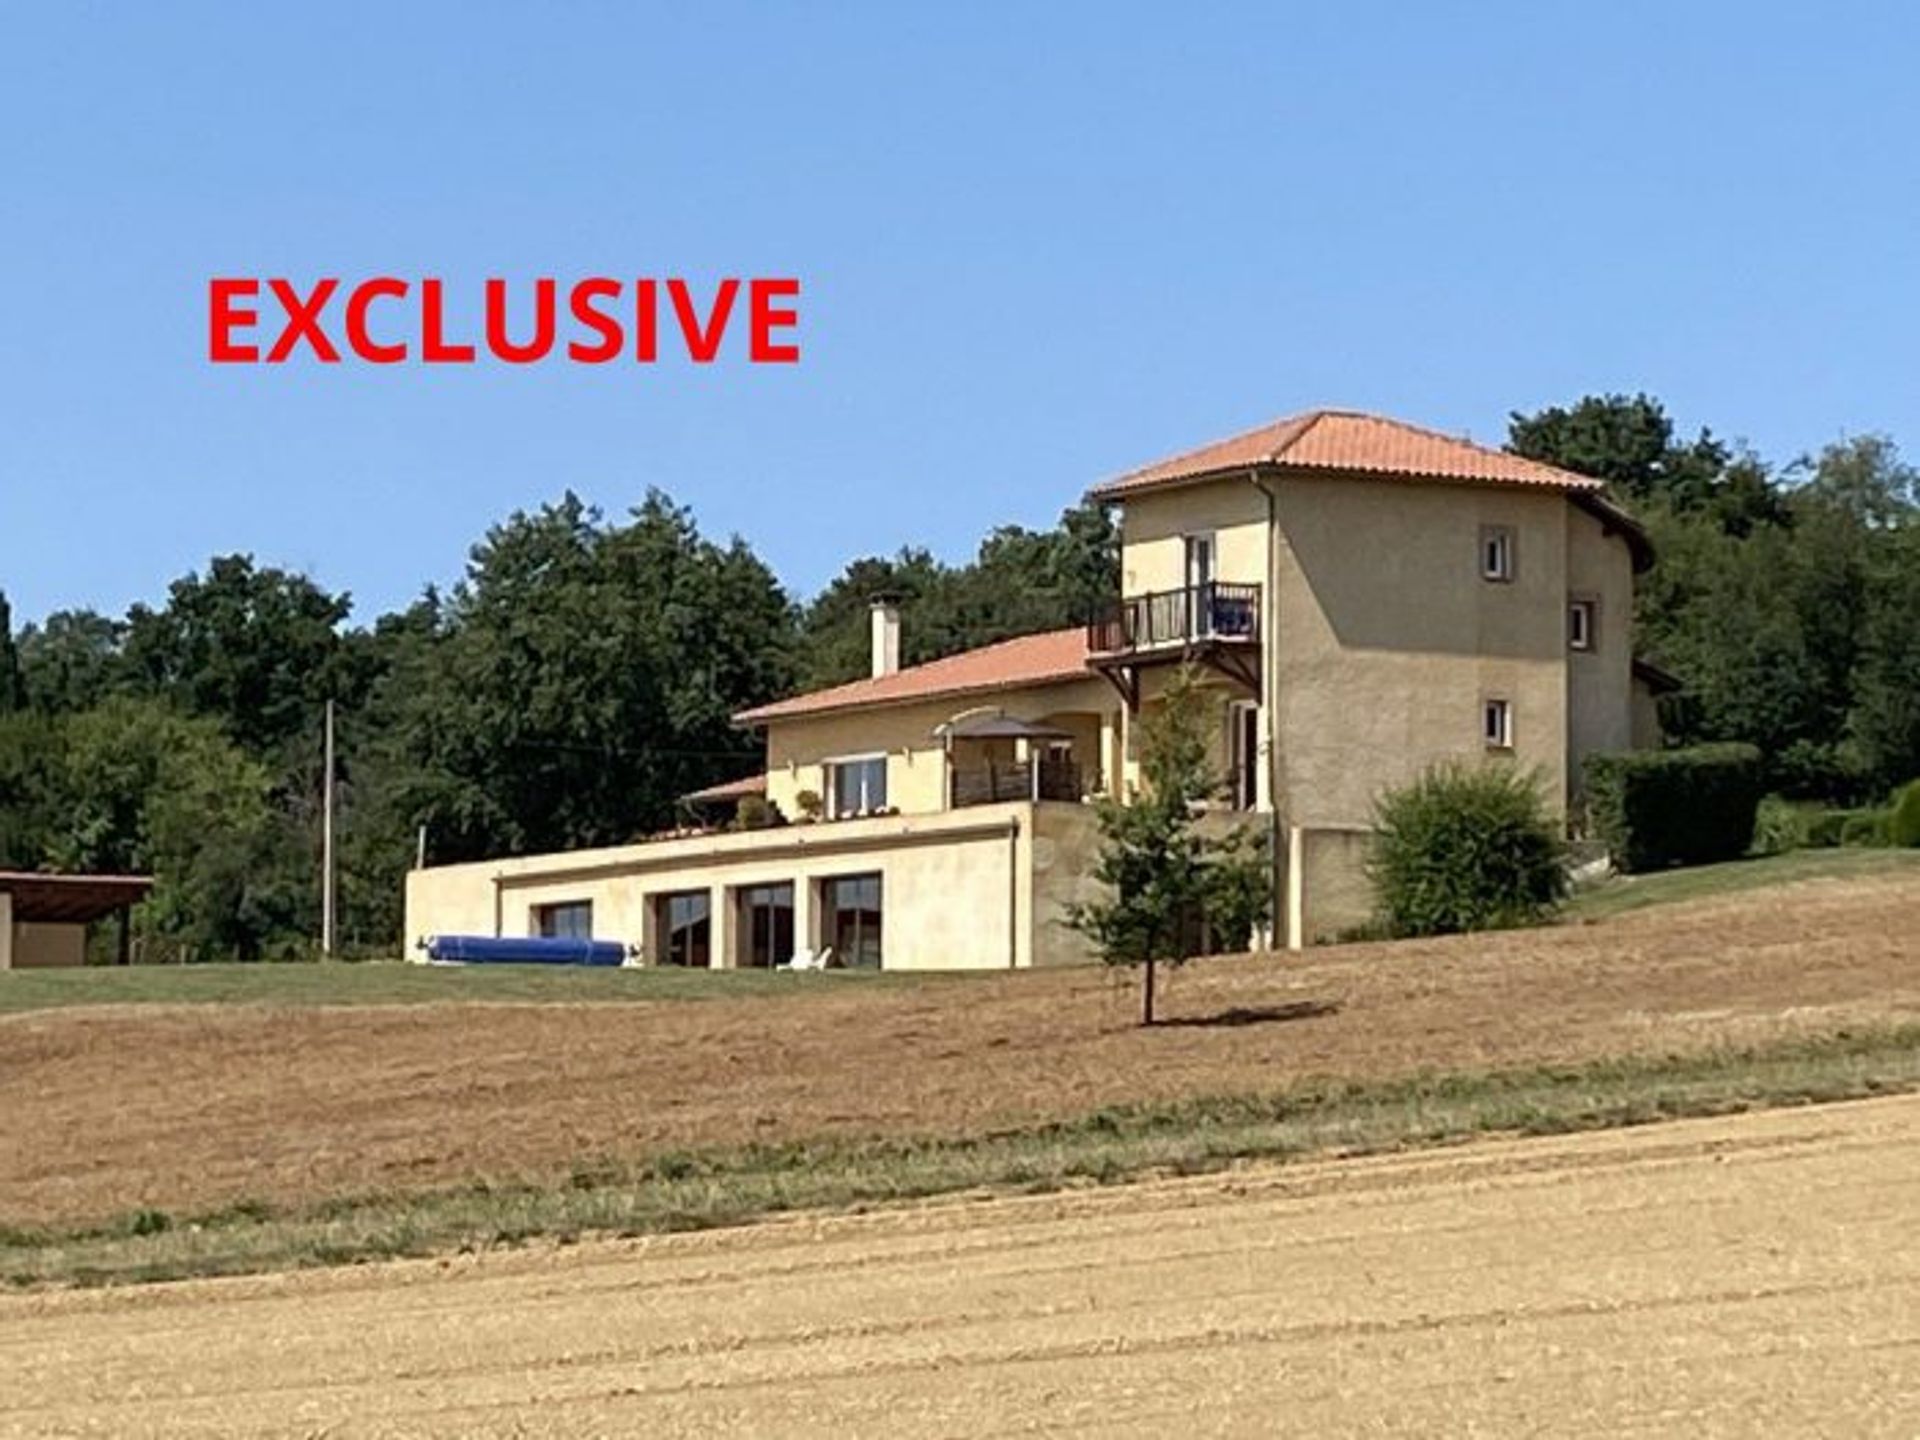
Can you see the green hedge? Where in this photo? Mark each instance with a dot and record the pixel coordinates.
(1903, 820)
(1655, 808)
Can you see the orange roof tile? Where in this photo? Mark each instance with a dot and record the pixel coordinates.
(1047, 658)
(1350, 441)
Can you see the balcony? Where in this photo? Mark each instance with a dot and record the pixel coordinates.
(1216, 624)
(990, 783)
(1215, 611)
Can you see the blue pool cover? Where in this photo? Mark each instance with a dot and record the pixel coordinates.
(532, 950)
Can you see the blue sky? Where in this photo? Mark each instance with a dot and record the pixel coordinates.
(1039, 244)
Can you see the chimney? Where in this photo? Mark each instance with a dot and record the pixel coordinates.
(886, 635)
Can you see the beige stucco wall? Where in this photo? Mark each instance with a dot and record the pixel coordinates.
(1154, 527)
(798, 749)
(1334, 894)
(1599, 680)
(959, 889)
(46, 946)
(1387, 640)
(1066, 840)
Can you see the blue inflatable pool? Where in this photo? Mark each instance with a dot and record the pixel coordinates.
(532, 950)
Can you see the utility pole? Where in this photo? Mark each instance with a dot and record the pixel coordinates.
(327, 918)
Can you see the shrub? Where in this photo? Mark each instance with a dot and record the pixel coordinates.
(756, 812)
(1865, 829)
(1466, 849)
(1655, 808)
(1903, 820)
(1823, 829)
(1777, 827)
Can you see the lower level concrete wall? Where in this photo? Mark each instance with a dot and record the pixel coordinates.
(1065, 844)
(1330, 893)
(46, 946)
(980, 888)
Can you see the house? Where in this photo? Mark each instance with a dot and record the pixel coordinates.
(44, 918)
(1364, 598)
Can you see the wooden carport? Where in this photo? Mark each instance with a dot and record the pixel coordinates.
(32, 898)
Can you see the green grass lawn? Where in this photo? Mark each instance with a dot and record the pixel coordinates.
(391, 982)
(1634, 892)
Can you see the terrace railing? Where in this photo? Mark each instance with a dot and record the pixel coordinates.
(990, 784)
(1215, 610)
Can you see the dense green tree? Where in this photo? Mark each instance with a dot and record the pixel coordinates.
(584, 676)
(255, 648)
(71, 660)
(1628, 441)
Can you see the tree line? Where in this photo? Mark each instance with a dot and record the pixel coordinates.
(576, 682)
(581, 676)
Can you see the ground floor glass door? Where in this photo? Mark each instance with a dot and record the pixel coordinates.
(851, 916)
(766, 925)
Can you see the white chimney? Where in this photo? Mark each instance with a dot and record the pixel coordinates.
(886, 637)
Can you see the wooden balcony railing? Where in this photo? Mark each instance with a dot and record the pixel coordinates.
(989, 784)
(1213, 611)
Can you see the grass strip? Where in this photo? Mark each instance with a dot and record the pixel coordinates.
(688, 1190)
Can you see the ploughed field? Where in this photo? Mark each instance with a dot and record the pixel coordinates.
(106, 1110)
(1747, 1275)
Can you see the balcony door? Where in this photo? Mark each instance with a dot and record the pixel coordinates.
(1199, 563)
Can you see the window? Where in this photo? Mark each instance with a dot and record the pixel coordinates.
(766, 925)
(851, 911)
(1199, 569)
(685, 921)
(857, 786)
(568, 920)
(1496, 552)
(1580, 628)
(1496, 724)
(1243, 753)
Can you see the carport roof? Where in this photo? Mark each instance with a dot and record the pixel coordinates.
(70, 899)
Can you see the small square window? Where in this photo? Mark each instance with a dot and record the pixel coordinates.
(1496, 724)
(1580, 618)
(1496, 552)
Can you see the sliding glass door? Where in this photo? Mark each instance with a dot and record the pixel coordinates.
(851, 916)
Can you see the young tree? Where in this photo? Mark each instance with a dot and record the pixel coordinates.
(1173, 887)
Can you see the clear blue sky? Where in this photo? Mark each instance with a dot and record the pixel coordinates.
(1039, 244)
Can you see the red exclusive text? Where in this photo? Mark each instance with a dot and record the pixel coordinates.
(388, 321)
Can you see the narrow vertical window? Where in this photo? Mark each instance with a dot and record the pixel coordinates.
(1580, 617)
(1496, 724)
(1496, 552)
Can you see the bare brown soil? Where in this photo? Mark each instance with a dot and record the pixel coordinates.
(1750, 1276)
(103, 1111)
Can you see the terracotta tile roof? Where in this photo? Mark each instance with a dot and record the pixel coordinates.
(1052, 656)
(1350, 441)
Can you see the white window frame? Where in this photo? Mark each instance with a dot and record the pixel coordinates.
(1498, 565)
(1583, 634)
(1496, 722)
(833, 765)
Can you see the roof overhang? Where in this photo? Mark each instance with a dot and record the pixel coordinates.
(70, 899)
(989, 726)
(1657, 679)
